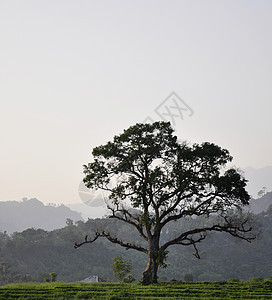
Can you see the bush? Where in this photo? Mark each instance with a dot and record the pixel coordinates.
(115, 297)
(257, 279)
(129, 279)
(234, 280)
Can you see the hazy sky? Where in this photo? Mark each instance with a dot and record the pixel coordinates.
(75, 73)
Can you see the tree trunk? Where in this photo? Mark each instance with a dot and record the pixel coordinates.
(150, 273)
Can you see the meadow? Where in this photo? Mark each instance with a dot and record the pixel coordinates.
(166, 290)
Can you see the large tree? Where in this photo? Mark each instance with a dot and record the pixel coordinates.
(153, 179)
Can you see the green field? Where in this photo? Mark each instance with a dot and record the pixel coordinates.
(172, 290)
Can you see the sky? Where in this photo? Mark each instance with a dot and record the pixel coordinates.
(75, 73)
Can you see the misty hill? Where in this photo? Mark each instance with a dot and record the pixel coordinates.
(257, 179)
(87, 211)
(18, 216)
(261, 204)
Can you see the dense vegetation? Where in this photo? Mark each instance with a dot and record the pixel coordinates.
(34, 253)
(173, 290)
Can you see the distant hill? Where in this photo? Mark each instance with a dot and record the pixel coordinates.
(18, 216)
(261, 204)
(257, 179)
(88, 212)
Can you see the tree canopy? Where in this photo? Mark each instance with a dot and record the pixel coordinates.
(153, 179)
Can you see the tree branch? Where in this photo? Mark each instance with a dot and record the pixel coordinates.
(187, 238)
(129, 220)
(185, 212)
(126, 245)
(77, 245)
(112, 240)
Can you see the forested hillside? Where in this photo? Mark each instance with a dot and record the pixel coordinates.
(261, 204)
(34, 253)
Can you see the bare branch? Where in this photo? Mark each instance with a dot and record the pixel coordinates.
(112, 240)
(187, 238)
(76, 245)
(200, 209)
(127, 217)
(196, 254)
(126, 245)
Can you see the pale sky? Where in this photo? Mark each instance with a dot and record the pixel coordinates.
(75, 73)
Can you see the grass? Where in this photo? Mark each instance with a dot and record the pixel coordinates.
(173, 290)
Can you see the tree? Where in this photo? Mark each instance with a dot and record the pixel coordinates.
(52, 278)
(153, 179)
(69, 222)
(8, 276)
(262, 192)
(121, 268)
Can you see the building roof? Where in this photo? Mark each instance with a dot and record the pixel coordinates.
(92, 279)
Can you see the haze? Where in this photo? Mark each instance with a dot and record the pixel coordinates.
(75, 73)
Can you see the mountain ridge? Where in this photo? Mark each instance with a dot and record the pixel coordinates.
(20, 215)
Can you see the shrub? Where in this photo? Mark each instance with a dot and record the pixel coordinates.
(234, 280)
(257, 279)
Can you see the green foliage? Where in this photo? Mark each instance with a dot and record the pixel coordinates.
(121, 269)
(52, 277)
(257, 279)
(160, 257)
(173, 290)
(7, 275)
(234, 280)
(129, 279)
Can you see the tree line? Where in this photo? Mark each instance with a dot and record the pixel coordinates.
(33, 254)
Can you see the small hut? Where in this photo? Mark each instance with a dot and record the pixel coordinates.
(92, 279)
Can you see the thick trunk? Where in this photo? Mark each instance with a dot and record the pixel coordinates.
(150, 273)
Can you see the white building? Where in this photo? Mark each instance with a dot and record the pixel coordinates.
(92, 279)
